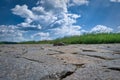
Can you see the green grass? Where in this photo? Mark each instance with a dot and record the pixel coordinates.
(38, 42)
(102, 38)
(92, 39)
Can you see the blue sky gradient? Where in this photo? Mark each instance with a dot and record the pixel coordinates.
(24, 20)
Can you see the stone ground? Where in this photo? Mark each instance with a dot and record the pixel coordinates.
(70, 62)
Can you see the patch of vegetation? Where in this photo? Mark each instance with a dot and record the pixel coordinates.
(37, 42)
(102, 38)
(8, 42)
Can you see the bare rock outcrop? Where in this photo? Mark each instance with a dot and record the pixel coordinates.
(71, 62)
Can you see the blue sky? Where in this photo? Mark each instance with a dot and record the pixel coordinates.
(24, 20)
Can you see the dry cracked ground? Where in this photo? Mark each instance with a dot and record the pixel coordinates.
(70, 62)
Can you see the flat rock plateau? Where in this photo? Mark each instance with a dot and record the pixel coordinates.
(70, 62)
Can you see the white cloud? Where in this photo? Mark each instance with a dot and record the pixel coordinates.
(49, 15)
(53, 5)
(80, 2)
(84, 31)
(10, 33)
(46, 13)
(115, 0)
(27, 25)
(39, 10)
(23, 11)
(52, 15)
(74, 16)
(41, 36)
(67, 31)
(101, 29)
(77, 2)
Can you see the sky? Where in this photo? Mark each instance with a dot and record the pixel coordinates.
(34, 20)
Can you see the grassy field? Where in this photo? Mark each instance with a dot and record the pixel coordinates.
(91, 39)
(84, 39)
(102, 38)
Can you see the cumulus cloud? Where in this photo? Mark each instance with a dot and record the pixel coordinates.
(51, 15)
(26, 26)
(80, 2)
(10, 33)
(101, 29)
(41, 36)
(66, 27)
(23, 11)
(67, 31)
(77, 2)
(47, 19)
(115, 0)
(53, 5)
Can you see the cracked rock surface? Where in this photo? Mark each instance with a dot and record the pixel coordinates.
(70, 62)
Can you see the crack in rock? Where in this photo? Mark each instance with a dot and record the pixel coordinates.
(56, 51)
(62, 75)
(33, 60)
(116, 52)
(85, 50)
(114, 68)
(100, 57)
(74, 53)
(66, 74)
(58, 76)
(69, 73)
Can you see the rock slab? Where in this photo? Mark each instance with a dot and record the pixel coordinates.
(70, 62)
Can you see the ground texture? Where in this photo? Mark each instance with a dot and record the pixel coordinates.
(70, 62)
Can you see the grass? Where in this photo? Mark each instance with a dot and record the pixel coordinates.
(92, 39)
(37, 42)
(102, 38)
